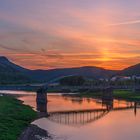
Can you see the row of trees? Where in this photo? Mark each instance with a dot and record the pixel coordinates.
(72, 81)
(8, 78)
(79, 81)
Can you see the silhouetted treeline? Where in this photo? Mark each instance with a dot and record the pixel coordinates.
(72, 81)
(13, 78)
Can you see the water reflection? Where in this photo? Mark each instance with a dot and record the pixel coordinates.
(135, 108)
(99, 119)
(78, 117)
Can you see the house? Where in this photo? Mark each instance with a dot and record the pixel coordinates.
(120, 78)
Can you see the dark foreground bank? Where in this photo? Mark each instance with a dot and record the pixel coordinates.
(14, 117)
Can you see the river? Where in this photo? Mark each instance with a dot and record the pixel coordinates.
(73, 118)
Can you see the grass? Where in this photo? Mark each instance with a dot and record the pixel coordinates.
(14, 117)
(127, 94)
(121, 94)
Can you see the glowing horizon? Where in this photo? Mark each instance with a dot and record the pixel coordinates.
(50, 34)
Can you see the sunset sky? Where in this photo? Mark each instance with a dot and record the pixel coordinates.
(46, 34)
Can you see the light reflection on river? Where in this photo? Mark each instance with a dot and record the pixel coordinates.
(120, 122)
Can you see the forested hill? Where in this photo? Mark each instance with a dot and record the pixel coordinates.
(11, 73)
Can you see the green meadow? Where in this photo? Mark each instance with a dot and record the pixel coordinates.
(14, 117)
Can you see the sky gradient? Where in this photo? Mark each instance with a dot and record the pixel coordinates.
(46, 34)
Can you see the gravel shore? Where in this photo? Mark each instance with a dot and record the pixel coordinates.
(33, 132)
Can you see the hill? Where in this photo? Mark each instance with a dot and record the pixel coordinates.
(132, 70)
(89, 72)
(11, 73)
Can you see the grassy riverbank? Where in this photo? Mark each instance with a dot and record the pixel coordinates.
(14, 117)
(121, 94)
(127, 94)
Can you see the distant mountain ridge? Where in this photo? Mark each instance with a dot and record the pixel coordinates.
(10, 72)
(5, 64)
(90, 72)
(132, 70)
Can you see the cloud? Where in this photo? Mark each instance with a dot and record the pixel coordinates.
(65, 35)
(9, 48)
(126, 23)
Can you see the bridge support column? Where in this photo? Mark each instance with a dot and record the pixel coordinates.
(41, 100)
(107, 98)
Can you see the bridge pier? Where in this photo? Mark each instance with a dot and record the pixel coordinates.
(107, 98)
(107, 93)
(41, 100)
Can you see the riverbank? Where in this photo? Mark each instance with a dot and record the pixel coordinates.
(127, 95)
(14, 117)
(33, 132)
(118, 94)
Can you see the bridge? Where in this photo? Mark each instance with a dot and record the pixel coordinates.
(84, 116)
(77, 117)
(81, 117)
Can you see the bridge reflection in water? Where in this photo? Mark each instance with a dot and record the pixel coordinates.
(77, 117)
(82, 117)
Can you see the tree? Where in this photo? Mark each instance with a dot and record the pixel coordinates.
(72, 81)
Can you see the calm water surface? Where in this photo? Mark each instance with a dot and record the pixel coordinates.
(88, 119)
